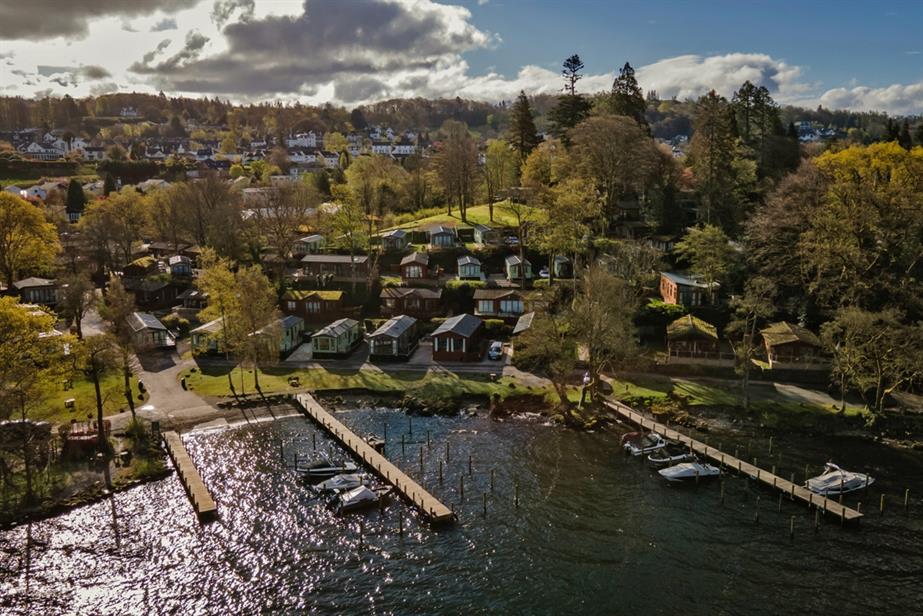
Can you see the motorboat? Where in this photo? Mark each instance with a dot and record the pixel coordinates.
(670, 455)
(342, 483)
(360, 498)
(639, 443)
(835, 481)
(322, 467)
(689, 470)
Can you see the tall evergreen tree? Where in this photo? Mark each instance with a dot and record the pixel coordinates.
(713, 154)
(626, 97)
(108, 184)
(522, 134)
(76, 199)
(571, 108)
(904, 138)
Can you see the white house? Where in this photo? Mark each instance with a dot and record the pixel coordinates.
(36, 151)
(303, 140)
(404, 147)
(302, 156)
(381, 147)
(129, 112)
(330, 159)
(94, 153)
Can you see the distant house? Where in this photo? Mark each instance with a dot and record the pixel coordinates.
(441, 236)
(330, 159)
(692, 340)
(338, 338)
(180, 266)
(499, 303)
(289, 330)
(562, 267)
(34, 290)
(419, 302)
(150, 292)
(193, 299)
(309, 244)
(341, 267)
(415, 266)
(147, 332)
(663, 243)
(382, 148)
(313, 306)
(458, 339)
(512, 265)
(485, 235)
(685, 290)
(790, 346)
(208, 338)
(397, 338)
(394, 240)
(469, 268)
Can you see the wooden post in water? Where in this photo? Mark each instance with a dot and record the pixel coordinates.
(806, 473)
(461, 487)
(484, 496)
(402, 446)
(469, 463)
(881, 506)
(314, 440)
(722, 491)
(907, 500)
(491, 481)
(429, 444)
(780, 502)
(516, 496)
(282, 451)
(400, 522)
(791, 528)
(410, 425)
(792, 481)
(440, 472)
(361, 532)
(816, 520)
(447, 452)
(756, 517)
(421, 461)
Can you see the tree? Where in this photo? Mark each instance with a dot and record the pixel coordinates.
(216, 281)
(874, 352)
(904, 138)
(285, 215)
(499, 171)
(278, 158)
(76, 198)
(522, 134)
(754, 306)
(709, 252)
(566, 223)
(28, 242)
(349, 222)
(258, 332)
(116, 153)
(457, 163)
(76, 297)
(616, 156)
(113, 226)
(548, 348)
(571, 108)
(95, 357)
(626, 98)
(602, 319)
(228, 145)
(108, 185)
(336, 142)
(212, 213)
(116, 308)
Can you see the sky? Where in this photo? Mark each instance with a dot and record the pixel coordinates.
(842, 54)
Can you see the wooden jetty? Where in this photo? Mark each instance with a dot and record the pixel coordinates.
(202, 500)
(794, 491)
(434, 510)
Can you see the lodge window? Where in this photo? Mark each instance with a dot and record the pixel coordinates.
(312, 306)
(486, 306)
(511, 306)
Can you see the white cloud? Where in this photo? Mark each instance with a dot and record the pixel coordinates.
(901, 99)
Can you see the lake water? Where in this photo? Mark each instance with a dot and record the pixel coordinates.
(595, 533)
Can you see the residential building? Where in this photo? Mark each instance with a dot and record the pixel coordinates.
(469, 268)
(441, 236)
(485, 235)
(499, 303)
(309, 244)
(693, 340)
(289, 333)
(339, 338)
(417, 301)
(686, 290)
(208, 338)
(395, 240)
(415, 266)
(314, 306)
(341, 267)
(790, 346)
(458, 339)
(397, 338)
(513, 267)
(148, 333)
(34, 290)
(180, 266)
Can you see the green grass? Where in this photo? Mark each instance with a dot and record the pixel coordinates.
(84, 394)
(478, 214)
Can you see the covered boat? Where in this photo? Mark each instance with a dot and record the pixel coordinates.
(359, 498)
(689, 470)
(835, 481)
(343, 482)
(322, 467)
(639, 443)
(670, 455)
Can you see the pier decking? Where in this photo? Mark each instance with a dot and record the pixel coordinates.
(202, 500)
(407, 487)
(785, 486)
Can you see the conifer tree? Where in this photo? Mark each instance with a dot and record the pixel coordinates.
(522, 134)
(76, 199)
(571, 108)
(626, 98)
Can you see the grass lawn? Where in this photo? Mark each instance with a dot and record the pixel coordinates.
(84, 394)
(478, 214)
(214, 382)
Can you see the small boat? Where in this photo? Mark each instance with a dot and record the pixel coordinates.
(835, 481)
(360, 498)
(670, 455)
(639, 443)
(689, 470)
(323, 467)
(340, 483)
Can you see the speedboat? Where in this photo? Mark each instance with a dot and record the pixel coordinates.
(360, 498)
(670, 455)
(689, 470)
(344, 482)
(835, 481)
(323, 467)
(639, 443)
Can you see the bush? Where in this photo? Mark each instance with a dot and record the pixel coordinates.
(465, 285)
(177, 324)
(497, 328)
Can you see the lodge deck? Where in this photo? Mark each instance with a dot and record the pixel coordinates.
(434, 510)
(202, 501)
(785, 486)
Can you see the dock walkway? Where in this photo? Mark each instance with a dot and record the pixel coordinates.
(202, 500)
(407, 487)
(785, 486)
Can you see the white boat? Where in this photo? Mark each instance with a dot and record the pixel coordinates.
(359, 498)
(638, 443)
(325, 468)
(339, 483)
(835, 481)
(669, 456)
(689, 470)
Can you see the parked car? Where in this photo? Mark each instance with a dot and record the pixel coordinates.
(495, 350)
(543, 273)
(511, 240)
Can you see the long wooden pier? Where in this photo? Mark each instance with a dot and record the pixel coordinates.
(202, 500)
(785, 486)
(431, 507)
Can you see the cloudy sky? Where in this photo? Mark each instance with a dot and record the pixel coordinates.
(841, 54)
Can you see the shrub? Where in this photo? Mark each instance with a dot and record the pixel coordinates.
(176, 323)
(497, 328)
